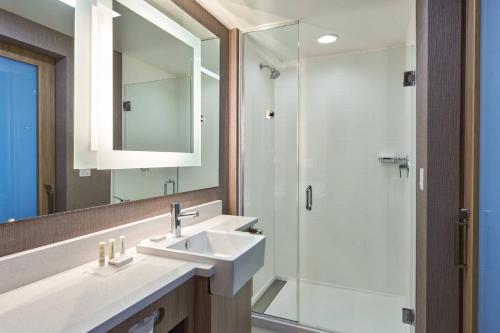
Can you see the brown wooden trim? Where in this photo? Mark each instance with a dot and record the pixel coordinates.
(233, 148)
(39, 231)
(46, 117)
(219, 314)
(46, 137)
(471, 159)
(439, 86)
(195, 10)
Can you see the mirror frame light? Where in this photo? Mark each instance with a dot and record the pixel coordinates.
(97, 151)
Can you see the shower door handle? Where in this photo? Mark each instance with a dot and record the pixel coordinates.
(309, 197)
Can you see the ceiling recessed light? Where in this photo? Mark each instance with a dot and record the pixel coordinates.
(72, 3)
(327, 39)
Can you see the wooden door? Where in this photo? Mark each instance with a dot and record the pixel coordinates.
(46, 121)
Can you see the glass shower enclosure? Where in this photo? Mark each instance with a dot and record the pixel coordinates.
(327, 166)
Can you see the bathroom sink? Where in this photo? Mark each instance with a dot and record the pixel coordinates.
(236, 256)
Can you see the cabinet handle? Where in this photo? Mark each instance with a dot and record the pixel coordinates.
(309, 197)
(461, 253)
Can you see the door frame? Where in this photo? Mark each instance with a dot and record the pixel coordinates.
(470, 161)
(439, 156)
(46, 124)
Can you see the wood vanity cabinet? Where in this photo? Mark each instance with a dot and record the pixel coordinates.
(191, 309)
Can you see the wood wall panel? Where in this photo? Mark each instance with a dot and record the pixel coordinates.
(232, 314)
(439, 83)
(218, 314)
(39, 231)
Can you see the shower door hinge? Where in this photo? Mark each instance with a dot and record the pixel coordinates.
(408, 316)
(127, 106)
(409, 79)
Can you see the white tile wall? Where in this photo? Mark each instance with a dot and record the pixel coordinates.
(286, 173)
(259, 156)
(358, 233)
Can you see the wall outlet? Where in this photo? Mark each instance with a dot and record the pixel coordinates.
(85, 172)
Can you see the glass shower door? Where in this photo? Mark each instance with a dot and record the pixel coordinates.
(269, 162)
(332, 181)
(356, 191)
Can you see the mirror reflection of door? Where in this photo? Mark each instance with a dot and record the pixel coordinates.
(27, 139)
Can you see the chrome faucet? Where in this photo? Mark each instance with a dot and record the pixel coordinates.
(177, 216)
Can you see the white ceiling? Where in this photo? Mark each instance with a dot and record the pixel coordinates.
(360, 24)
(133, 35)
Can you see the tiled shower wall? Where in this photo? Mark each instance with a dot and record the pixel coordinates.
(353, 107)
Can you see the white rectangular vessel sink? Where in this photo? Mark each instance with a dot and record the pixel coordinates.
(237, 256)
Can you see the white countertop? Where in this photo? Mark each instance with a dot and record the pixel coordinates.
(88, 298)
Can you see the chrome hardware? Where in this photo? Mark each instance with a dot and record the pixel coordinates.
(461, 238)
(309, 197)
(202, 118)
(409, 79)
(121, 199)
(177, 216)
(254, 231)
(269, 114)
(274, 72)
(165, 186)
(403, 163)
(127, 106)
(408, 316)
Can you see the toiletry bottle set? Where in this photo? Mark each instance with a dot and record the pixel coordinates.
(118, 261)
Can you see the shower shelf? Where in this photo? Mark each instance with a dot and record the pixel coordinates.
(394, 159)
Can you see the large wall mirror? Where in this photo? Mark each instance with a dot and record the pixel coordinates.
(152, 108)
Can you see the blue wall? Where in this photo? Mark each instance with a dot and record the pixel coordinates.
(489, 184)
(18, 140)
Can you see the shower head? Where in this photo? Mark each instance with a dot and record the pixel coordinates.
(274, 72)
